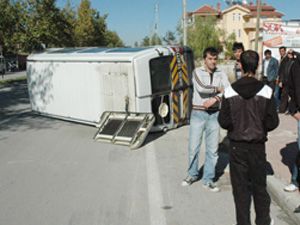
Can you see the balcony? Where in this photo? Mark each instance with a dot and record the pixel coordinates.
(249, 26)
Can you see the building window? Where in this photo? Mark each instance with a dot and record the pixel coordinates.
(233, 16)
(239, 33)
(239, 17)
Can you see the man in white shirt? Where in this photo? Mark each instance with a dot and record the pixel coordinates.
(208, 83)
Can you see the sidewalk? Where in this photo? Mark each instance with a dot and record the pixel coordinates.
(12, 75)
(281, 151)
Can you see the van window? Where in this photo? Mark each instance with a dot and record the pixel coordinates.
(160, 74)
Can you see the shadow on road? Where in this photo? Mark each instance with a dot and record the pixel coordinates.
(15, 109)
(13, 94)
(152, 137)
(223, 159)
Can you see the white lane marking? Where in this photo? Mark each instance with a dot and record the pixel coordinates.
(157, 216)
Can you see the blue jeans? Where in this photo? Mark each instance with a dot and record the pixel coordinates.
(201, 122)
(295, 169)
(277, 96)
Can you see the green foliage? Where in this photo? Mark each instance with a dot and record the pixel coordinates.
(113, 39)
(146, 42)
(101, 33)
(85, 25)
(29, 25)
(179, 32)
(155, 40)
(150, 41)
(204, 34)
(228, 45)
(169, 38)
(8, 19)
(69, 14)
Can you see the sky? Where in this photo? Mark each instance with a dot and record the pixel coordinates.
(134, 19)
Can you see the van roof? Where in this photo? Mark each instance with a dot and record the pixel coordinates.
(94, 54)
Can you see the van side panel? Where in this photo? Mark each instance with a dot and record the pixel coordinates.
(79, 90)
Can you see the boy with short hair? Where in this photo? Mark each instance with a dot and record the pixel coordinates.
(248, 112)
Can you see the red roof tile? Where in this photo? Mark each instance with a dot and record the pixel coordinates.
(267, 14)
(205, 9)
(263, 7)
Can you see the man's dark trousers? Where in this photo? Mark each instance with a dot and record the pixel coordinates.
(284, 100)
(249, 178)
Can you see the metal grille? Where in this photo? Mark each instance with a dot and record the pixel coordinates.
(111, 127)
(129, 128)
(123, 128)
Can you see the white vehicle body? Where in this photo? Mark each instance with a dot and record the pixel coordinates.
(80, 84)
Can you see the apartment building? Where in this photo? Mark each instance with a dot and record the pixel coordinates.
(239, 19)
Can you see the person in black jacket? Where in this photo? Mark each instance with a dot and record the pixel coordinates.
(248, 112)
(294, 110)
(283, 72)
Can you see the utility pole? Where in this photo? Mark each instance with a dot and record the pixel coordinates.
(184, 22)
(258, 4)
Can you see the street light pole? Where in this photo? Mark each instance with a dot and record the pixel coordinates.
(258, 4)
(184, 23)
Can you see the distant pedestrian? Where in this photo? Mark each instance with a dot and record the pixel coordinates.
(248, 112)
(209, 83)
(269, 69)
(294, 109)
(237, 49)
(284, 71)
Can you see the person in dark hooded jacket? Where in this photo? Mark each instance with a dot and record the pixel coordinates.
(248, 112)
(294, 110)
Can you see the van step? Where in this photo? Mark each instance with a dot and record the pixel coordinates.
(123, 128)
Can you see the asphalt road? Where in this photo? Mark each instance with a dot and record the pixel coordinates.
(52, 172)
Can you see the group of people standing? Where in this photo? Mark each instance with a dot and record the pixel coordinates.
(283, 78)
(248, 110)
(276, 74)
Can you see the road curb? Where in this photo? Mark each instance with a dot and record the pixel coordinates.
(287, 201)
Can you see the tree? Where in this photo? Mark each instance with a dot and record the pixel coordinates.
(8, 21)
(101, 34)
(85, 25)
(146, 41)
(169, 38)
(204, 34)
(179, 32)
(113, 40)
(69, 16)
(228, 46)
(29, 25)
(45, 25)
(155, 40)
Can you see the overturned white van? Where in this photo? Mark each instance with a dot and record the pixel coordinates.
(80, 84)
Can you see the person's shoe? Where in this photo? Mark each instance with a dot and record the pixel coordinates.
(290, 188)
(212, 187)
(297, 210)
(189, 180)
